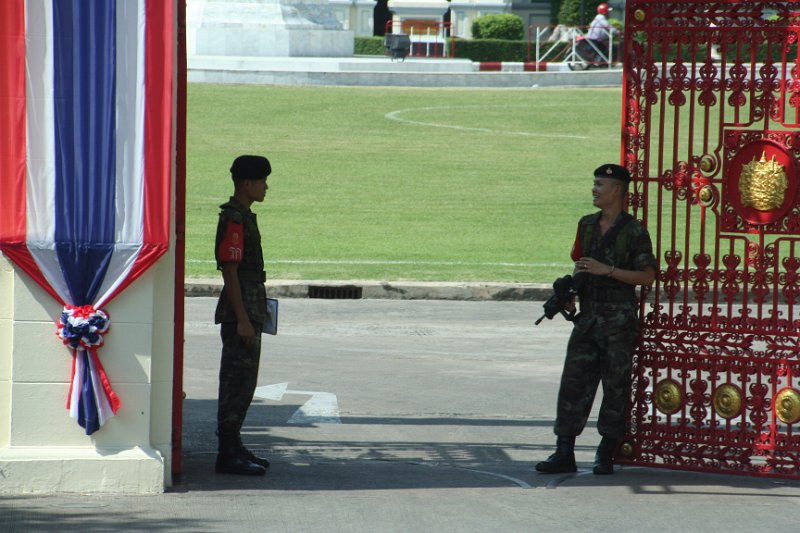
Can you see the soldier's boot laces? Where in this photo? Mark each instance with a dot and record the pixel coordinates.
(260, 461)
(604, 458)
(562, 461)
(231, 460)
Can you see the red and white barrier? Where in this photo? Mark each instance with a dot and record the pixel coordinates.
(511, 66)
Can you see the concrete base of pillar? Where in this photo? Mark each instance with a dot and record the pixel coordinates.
(267, 28)
(37, 470)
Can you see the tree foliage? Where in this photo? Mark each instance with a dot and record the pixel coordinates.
(500, 26)
(570, 12)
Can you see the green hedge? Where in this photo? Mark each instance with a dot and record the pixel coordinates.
(500, 50)
(474, 49)
(492, 50)
(369, 46)
(498, 26)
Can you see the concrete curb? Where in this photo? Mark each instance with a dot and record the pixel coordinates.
(380, 71)
(392, 290)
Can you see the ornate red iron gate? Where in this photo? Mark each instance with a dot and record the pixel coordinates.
(710, 133)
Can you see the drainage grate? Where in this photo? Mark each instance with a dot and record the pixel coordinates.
(343, 292)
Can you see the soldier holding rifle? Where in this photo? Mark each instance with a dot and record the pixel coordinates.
(613, 254)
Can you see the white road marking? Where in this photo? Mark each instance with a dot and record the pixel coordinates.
(321, 408)
(395, 115)
(518, 481)
(272, 392)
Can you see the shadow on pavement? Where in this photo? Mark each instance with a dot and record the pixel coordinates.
(341, 458)
(352, 458)
(86, 514)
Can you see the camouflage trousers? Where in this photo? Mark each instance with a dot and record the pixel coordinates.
(595, 355)
(238, 374)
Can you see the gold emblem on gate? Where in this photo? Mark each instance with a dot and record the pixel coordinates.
(787, 406)
(763, 184)
(728, 401)
(626, 449)
(668, 397)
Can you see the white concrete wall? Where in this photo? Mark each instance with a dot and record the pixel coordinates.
(42, 449)
(417, 10)
(267, 28)
(355, 15)
(6, 342)
(464, 13)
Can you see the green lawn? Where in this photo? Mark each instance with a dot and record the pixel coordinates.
(403, 184)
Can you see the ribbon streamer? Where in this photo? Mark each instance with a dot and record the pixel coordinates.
(91, 399)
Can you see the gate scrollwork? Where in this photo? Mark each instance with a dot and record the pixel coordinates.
(711, 95)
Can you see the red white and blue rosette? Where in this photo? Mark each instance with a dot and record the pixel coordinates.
(91, 400)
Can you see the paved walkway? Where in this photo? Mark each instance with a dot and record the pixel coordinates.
(398, 416)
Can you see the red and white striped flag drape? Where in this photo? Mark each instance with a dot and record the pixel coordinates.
(86, 159)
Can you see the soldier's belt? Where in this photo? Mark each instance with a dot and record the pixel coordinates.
(600, 295)
(253, 276)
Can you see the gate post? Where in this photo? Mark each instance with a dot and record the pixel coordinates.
(82, 223)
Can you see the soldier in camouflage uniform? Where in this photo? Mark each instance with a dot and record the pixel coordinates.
(613, 254)
(241, 311)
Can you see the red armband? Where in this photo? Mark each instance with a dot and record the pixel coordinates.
(232, 246)
(577, 252)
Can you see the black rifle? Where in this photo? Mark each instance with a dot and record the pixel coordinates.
(564, 290)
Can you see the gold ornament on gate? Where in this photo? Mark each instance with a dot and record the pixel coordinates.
(706, 195)
(787, 406)
(626, 449)
(639, 15)
(707, 164)
(668, 397)
(728, 401)
(763, 184)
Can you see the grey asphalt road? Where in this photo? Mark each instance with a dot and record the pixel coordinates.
(390, 416)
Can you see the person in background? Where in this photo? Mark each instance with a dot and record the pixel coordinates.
(241, 311)
(613, 255)
(600, 30)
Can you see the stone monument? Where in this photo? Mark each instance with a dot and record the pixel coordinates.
(266, 28)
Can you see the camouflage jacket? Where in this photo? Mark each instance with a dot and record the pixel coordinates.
(238, 240)
(604, 301)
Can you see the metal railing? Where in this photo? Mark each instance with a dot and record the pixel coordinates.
(571, 45)
(428, 38)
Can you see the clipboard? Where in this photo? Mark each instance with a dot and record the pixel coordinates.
(270, 326)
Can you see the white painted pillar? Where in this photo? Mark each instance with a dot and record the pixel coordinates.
(43, 449)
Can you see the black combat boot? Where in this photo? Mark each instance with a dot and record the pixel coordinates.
(250, 455)
(561, 462)
(604, 458)
(231, 460)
